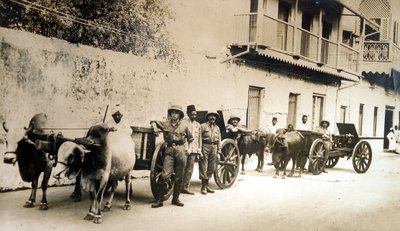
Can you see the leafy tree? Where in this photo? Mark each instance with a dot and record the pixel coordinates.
(131, 26)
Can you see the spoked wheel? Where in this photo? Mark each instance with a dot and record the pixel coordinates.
(362, 156)
(332, 161)
(317, 156)
(228, 164)
(157, 163)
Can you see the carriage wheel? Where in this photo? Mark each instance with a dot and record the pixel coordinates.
(332, 161)
(316, 156)
(157, 163)
(362, 156)
(228, 164)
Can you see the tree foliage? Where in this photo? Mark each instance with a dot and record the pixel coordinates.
(131, 26)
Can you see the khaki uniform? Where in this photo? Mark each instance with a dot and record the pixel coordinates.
(211, 146)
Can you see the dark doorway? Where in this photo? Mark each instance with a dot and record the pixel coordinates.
(388, 125)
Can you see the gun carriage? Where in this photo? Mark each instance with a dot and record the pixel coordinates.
(347, 144)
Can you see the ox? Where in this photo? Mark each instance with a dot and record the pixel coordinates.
(253, 143)
(286, 146)
(109, 156)
(33, 161)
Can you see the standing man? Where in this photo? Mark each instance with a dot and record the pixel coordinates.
(119, 122)
(194, 147)
(303, 125)
(274, 127)
(176, 134)
(326, 138)
(211, 137)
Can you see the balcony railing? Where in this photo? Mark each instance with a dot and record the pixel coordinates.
(283, 36)
(375, 51)
(284, 39)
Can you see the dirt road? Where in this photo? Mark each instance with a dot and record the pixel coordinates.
(338, 200)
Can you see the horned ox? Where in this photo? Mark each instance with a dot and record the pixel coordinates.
(32, 161)
(253, 143)
(286, 146)
(100, 165)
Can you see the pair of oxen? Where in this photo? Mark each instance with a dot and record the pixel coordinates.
(97, 161)
(283, 145)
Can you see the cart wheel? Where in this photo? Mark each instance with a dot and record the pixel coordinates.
(332, 161)
(228, 164)
(316, 156)
(362, 156)
(157, 163)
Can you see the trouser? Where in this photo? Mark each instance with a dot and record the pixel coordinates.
(327, 146)
(174, 161)
(208, 162)
(189, 170)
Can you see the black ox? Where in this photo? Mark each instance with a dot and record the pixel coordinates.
(32, 161)
(286, 146)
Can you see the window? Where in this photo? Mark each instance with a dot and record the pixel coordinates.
(348, 38)
(253, 108)
(306, 24)
(326, 33)
(284, 9)
(292, 109)
(343, 110)
(317, 110)
(253, 20)
(375, 121)
(360, 119)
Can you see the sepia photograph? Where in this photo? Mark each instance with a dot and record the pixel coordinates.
(180, 115)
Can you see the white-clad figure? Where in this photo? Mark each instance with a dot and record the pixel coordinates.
(304, 125)
(392, 140)
(119, 122)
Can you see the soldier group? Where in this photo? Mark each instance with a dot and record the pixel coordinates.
(186, 140)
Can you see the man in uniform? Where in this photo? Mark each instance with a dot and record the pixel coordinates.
(233, 128)
(176, 134)
(326, 138)
(194, 147)
(211, 146)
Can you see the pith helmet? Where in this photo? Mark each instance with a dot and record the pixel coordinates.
(176, 108)
(212, 113)
(324, 121)
(232, 117)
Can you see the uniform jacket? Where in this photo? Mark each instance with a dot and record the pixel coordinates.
(211, 134)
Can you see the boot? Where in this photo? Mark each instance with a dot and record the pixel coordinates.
(186, 191)
(177, 202)
(203, 187)
(208, 189)
(160, 197)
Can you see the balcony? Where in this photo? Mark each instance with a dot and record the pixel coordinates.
(375, 51)
(286, 38)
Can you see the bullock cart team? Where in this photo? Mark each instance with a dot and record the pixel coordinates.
(110, 151)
